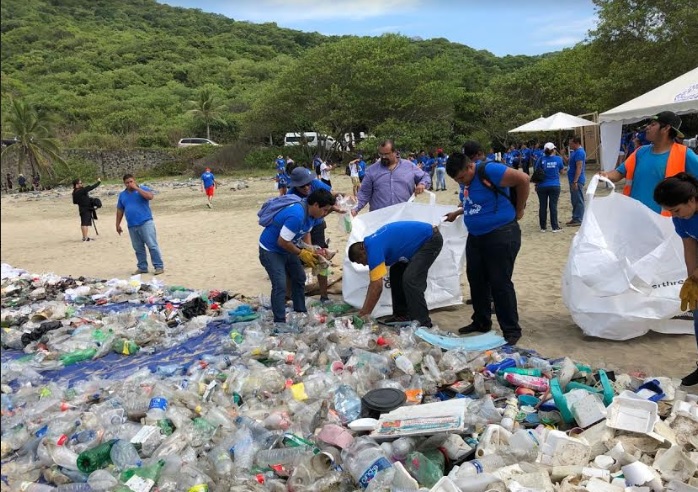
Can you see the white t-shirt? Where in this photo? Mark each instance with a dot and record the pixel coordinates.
(325, 171)
(353, 170)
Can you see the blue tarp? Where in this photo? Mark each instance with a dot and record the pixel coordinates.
(118, 366)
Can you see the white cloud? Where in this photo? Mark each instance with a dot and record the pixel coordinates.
(561, 41)
(287, 12)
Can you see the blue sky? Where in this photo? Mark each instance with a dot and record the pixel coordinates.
(503, 27)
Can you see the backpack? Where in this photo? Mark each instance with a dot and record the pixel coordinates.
(275, 205)
(95, 202)
(487, 183)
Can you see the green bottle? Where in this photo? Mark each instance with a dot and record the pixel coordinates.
(148, 474)
(95, 458)
(77, 356)
(125, 347)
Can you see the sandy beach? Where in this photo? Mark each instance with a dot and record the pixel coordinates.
(217, 249)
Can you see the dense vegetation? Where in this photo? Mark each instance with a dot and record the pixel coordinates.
(138, 73)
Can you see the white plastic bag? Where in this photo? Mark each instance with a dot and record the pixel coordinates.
(625, 270)
(443, 281)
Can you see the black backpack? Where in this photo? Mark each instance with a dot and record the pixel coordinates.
(487, 183)
(95, 203)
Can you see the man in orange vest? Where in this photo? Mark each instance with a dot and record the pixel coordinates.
(645, 168)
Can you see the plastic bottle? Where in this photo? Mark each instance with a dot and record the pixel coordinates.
(63, 456)
(524, 444)
(365, 461)
(487, 464)
(427, 468)
(36, 487)
(415, 391)
(429, 366)
(125, 347)
(402, 362)
(498, 366)
(146, 474)
(74, 487)
(95, 458)
(347, 403)
(402, 447)
(77, 356)
(510, 412)
(221, 460)
(156, 409)
(260, 434)
(531, 382)
(124, 455)
(281, 456)
(102, 480)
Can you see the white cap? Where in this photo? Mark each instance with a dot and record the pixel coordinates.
(549, 146)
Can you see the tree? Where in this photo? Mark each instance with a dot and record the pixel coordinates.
(205, 108)
(35, 143)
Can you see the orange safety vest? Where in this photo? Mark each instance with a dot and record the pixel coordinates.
(675, 164)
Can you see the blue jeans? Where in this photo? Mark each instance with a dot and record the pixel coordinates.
(142, 236)
(577, 202)
(278, 265)
(440, 178)
(548, 197)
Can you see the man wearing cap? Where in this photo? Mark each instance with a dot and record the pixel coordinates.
(302, 184)
(577, 178)
(408, 249)
(208, 185)
(392, 181)
(650, 164)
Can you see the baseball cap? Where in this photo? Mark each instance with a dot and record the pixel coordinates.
(208, 169)
(669, 118)
(300, 176)
(549, 146)
(280, 156)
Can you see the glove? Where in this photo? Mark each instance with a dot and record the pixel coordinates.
(308, 258)
(689, 294)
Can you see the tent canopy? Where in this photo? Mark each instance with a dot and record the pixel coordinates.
(558, 121)
(679, 95)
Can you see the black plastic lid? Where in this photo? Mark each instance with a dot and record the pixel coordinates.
(384, 399)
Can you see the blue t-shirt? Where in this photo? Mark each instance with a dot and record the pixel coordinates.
(483, 209)
(650, 170)
(525, 155)
(552, 165)
(291, 223)
(537, 154)
(509, 159)
(514, 157)
(394, 242)
(361, 166)
(440, 162)
(490, 157)
(208, 179)
(577, 156)
(280, 165)
(428, 164)
(135, 207)
(687, 227)
(282, 179)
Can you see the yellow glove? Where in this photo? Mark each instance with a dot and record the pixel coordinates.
(308, 258)
(689, 294)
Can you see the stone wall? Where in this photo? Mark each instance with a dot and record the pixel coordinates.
(111, 163)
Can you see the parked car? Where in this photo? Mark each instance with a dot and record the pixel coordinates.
(311, 139)
(188, 142)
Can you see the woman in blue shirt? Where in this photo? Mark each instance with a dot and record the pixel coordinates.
(440, 172)
(548, 190)
(679, 195)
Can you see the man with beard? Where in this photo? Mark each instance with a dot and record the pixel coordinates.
(392, 181)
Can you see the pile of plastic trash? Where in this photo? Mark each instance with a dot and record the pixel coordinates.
(130, 386)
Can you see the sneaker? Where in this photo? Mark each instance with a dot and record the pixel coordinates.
(139, 271)
(475, 328)
(512, 339)
(158, 271)
(396, 320)
(87, 239)
(573, 223)
(557, 230)
(691, 379)
(209, 205)
(543, 230)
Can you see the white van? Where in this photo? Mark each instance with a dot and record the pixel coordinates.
(312, 139)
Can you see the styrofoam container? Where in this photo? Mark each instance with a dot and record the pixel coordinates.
(674, 464)
(588, 410)
(632, 414)
(444, 485)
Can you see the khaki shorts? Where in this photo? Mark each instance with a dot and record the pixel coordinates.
(355, 181)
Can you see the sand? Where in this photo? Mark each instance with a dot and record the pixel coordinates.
(217, 249)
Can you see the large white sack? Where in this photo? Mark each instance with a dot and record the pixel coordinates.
(443, 281)
(625, 270)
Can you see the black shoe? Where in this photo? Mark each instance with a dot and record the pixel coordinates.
(691, 379)
(395, 320)
(475, 328)
(512, 339)
(469, 302)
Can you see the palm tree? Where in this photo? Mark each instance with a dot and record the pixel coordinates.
(205, 108)
(34, 139)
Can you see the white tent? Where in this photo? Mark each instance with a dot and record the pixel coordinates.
(679, 95)
(531, 126)
(557, 121)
